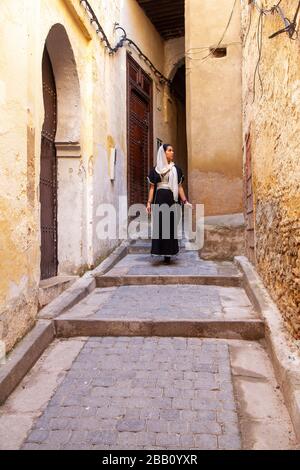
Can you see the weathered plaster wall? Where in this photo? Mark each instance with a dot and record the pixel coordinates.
(214, 106)
(18, 249)
(274, 118)
(110, 116)
(91, 111)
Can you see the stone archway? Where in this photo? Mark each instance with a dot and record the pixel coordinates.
(178, 65)
(68, 92)
(48, 174)
(178, 91)
(68, 151)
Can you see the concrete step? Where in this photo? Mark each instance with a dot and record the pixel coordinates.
(51, 288)
(139, 248)
(251, 329)
(224, 237)
(137, 280)
(208, 311)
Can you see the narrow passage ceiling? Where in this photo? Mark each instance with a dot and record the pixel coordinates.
(166, 15)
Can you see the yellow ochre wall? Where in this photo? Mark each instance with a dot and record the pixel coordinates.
(83, 181)
(214, 118)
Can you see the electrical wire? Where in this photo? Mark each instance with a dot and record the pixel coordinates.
(290, 28)
(123, 40)
(225, 31)
(259, 38)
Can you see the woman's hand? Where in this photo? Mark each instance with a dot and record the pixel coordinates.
(185, 202)
(148, 208)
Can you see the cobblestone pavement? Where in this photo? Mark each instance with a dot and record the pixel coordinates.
(177, 302)
(185, 263)
(142, 393)
(152, 392)
(180, 302)
(168, 301)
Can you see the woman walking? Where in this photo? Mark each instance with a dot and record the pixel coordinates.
(165, 180)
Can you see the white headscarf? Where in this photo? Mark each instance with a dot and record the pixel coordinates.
(162, 166)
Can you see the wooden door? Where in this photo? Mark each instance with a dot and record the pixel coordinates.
(248, 203)
(140, 133)
(48, 176)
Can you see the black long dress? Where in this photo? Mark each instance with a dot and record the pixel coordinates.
(159, 244)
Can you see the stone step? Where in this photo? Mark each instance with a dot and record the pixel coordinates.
(51, 288)
(136, 280)
(139, 249)
(251, 329)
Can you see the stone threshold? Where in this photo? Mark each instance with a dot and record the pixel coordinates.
(56, 280)
(51, 288)
(146, 279)
(248, 329)
(24, 356)
(84, 286)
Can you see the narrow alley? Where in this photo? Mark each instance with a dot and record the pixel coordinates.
(155, 357)
(120, 119)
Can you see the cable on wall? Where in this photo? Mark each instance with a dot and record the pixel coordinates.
(123, 40)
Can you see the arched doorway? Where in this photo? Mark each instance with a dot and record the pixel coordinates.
(48, 175)
(178, 90)
(61, 181)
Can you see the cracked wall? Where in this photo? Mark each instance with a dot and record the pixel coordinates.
(273, 119)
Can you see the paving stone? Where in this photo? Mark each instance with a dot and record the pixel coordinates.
(104, 381)
(78, 437)
(177, 399)
(127, 439)
(187, 441)
(181, 404)
(61, 424)
(110, 412)
(178, 427)
(227, 417)
(146, 439)
(59, 437)
(169, 415)
(88, 424)
(102, 437)
(205, 442)
(188, 302)
(159, 426)
(229, 441)
(38, 436)
(205, 427)
(167, 440)
(31, 446)
(131, 425)
(70, 411)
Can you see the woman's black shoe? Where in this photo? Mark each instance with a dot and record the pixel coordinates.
(167, 259)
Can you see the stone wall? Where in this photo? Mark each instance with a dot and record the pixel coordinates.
(273, 117)
(214, 118)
